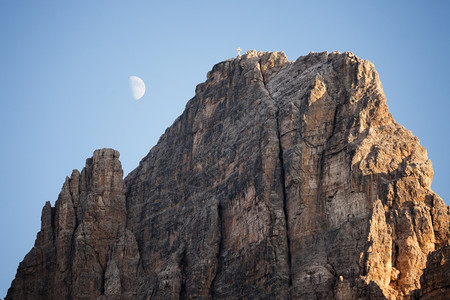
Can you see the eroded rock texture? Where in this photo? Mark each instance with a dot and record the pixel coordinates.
(281, 180)
(83, 250)
(435, 280)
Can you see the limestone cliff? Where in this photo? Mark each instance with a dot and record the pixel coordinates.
(83, 250)
(280, 180)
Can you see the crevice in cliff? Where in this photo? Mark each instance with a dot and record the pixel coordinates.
(53, 222)
(284, 194)
(182, 267)
(219, 251)
(326, 151)
(282, 179)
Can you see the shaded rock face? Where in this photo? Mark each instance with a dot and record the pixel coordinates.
(83, 250)
(435, 281)
(281, 180)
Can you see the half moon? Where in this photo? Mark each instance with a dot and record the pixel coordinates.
(137, 87)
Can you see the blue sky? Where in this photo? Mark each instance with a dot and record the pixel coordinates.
(64, 69)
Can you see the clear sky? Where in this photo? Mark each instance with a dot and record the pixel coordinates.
(64, 69)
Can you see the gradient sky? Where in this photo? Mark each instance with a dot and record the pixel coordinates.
(64, 70)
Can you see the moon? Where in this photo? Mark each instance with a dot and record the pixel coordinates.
(137, 87)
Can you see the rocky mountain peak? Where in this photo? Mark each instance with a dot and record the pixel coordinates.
(82, 239)
(281, 179)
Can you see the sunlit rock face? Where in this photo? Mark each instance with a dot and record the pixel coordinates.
(280, 180)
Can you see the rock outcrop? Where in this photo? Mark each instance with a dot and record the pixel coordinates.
(83, 250)
(435, 281)
(281, 180)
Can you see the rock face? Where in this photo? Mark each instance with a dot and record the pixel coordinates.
(435, 281)
(281, 180)
(83, 250)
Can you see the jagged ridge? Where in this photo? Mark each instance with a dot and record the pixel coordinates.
(280, 180)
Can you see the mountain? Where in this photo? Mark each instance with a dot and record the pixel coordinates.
(280, 180)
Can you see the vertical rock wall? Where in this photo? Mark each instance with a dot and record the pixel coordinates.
(360, 207)
(207, 204)
(281, 180)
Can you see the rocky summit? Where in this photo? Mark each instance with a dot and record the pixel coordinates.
(280, 180)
